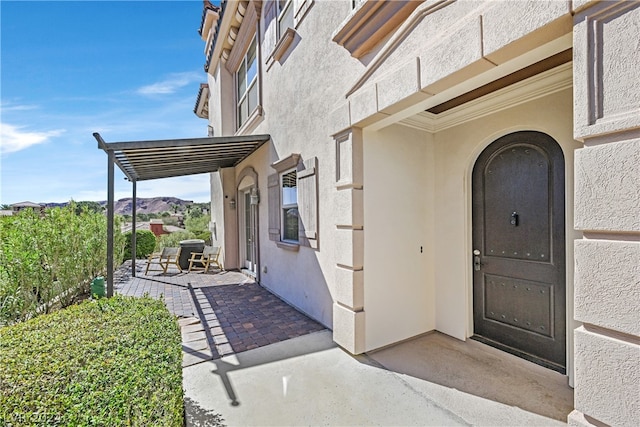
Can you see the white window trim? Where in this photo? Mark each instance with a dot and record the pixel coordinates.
(284, 206)
(288, 8)
(250, 85)
(307, 202)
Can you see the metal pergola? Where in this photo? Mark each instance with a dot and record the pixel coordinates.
(155, 159)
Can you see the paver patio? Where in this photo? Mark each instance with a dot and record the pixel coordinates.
(221, 313)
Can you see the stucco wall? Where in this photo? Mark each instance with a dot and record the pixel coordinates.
(295, 115)
(606, 69)
(417, 192)
(398, 224)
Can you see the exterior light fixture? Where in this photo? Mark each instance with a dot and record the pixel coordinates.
(254, 198)
(232, 203)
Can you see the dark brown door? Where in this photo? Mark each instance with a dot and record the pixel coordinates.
(519, 248)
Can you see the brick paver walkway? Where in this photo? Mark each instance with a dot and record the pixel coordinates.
(220, 313)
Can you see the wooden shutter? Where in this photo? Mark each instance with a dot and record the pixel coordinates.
(308, 203)
(273, 187)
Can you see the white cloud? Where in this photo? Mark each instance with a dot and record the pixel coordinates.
(6, 107)
(15, 138)
(171, 84)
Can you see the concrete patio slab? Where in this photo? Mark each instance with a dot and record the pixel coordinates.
(257, 361)
(310, 381)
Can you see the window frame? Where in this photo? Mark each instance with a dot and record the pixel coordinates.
(284, 207)
(249, 85)
(306, 202)
(281, 15)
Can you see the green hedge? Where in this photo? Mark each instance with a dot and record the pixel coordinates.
(110, 362)
(50, 258)
(145, 243)
(172, 240)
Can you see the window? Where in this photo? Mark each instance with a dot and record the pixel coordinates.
(247, 84)
(285, 16)
(293, 203)
(290, 212)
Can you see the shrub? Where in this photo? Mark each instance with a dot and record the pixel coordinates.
(197, 223)
(173, 240)
(145, 243)
(50, 258)
(108, 362)
(204, 235)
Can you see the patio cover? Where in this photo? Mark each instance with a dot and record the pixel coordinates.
(155, 159)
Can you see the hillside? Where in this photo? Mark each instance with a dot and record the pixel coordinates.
(144, 205)
(150, 205)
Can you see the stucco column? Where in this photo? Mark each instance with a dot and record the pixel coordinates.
(348, 308)
(606, 66)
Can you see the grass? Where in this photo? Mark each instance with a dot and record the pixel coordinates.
(112, 362)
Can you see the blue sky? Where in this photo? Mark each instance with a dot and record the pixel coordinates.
(127, 69)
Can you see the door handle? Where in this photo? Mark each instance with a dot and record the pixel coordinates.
(476, 260)
(514, 219)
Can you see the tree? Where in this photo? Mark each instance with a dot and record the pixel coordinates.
(94, 207)
(145, 243)
(195, 212)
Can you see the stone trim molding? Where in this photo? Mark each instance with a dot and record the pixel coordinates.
(608, 77)
(291, 161)
(370, 22)
(283, 44)
(243, 37)
(540, 85)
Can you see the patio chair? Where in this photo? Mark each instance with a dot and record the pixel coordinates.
(168, 256)
(208, 257)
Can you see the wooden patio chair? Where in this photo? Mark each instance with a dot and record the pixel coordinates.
(208, 257)
(168, 256)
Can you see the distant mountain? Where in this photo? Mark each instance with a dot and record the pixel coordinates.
(144, 205)
(150, 205)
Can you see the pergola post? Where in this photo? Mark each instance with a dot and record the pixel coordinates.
(133, 230)
(110, 211)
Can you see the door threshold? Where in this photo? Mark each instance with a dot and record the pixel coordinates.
(521, 354)
(248, 272)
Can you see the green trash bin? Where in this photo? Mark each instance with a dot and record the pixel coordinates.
(97, 287)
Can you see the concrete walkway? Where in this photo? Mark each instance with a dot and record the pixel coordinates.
(310, 381)
(249, 359)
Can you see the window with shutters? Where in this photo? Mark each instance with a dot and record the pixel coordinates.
(293, 203)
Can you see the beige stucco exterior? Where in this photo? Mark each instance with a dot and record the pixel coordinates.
(391, 257)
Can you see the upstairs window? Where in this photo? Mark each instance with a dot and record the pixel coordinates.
(285, 16)
(247, 84)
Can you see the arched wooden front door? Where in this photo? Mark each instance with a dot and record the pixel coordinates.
(519, 248)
